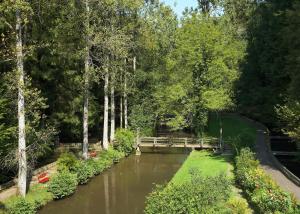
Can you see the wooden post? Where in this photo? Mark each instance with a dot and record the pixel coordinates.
(201, 143)
(185, 142)
(138, 151)
(154, 142)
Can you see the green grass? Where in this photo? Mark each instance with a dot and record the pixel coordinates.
(207, 163)
(37, 195)
(232, 126)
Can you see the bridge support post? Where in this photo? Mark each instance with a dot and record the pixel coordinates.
(137, 149)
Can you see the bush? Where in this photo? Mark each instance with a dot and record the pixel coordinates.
(21, 206)
(243, 140)
(84, 172)
(272, 200)
(67, 161)
(238, 206)
(63, 184)
(95, 166)
(200, 195)
(260, 188)
(115, 155)
(124, 141)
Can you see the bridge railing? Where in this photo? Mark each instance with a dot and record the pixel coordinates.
(173, 140)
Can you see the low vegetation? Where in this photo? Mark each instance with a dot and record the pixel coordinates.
(198, 195)
(263, 192)
(37, 197)
(203, 184)
(71, 172)
(124, 141)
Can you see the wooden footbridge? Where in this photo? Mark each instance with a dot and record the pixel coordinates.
(171, 142)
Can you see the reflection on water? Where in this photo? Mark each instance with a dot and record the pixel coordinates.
(122, 189)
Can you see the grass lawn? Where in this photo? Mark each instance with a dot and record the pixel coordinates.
(233, 125)
(207, 163)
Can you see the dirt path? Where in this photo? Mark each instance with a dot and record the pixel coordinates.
(269, 166)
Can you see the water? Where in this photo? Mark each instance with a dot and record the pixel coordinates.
(121, 189)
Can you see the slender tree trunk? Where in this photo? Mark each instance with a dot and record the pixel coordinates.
(85, 145)
(134, 63)
(112, 109)
(105, 123)
(125, 103)
(22, 178)
(121, 112)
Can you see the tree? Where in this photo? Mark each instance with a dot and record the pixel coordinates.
(22, 176)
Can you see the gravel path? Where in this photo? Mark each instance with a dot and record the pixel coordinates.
(269, 166)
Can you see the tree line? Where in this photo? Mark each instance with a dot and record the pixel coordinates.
(79, 69)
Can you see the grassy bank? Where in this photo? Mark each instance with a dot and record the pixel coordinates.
(206, 163)
(204, 184)
(233, 125)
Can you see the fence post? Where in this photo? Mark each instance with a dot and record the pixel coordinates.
(185, 142)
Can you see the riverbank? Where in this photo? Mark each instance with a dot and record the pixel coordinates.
(203, 176)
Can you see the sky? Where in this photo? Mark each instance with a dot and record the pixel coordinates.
(179, 5)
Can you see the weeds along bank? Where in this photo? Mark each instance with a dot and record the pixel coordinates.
(71, 172)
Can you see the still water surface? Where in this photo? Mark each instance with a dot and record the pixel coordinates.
(121, 189)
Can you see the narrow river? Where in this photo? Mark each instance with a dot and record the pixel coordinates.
(121, 189)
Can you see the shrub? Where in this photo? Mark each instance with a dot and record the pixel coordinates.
(67, 161)
(124, 141)
(84, 172)
(243, 140)
(272, 200)
(200, 195)
(260, 188)
(238, 206)
(63, 184)
(95, 166)
(115, 155)
(21, 206)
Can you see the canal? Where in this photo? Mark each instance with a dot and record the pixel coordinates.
(121, 189)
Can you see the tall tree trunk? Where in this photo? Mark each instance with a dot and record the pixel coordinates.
(105, 123)
(125, 102)
(85, 145)
(121, 112)
(22, 177)
(112, 109)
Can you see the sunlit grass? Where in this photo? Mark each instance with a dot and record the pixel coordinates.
(206, 163)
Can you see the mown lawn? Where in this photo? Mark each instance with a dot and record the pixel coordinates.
(207, 163)
(233, 125)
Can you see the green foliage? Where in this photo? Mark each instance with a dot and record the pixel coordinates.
(21, 206)
(238, 206)
(84, 172)
(63, 184)
(200, 195)
(124, 141)
(67, 161)
(263, 192)
(94, 166)
(37, 197)
(242, 140)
